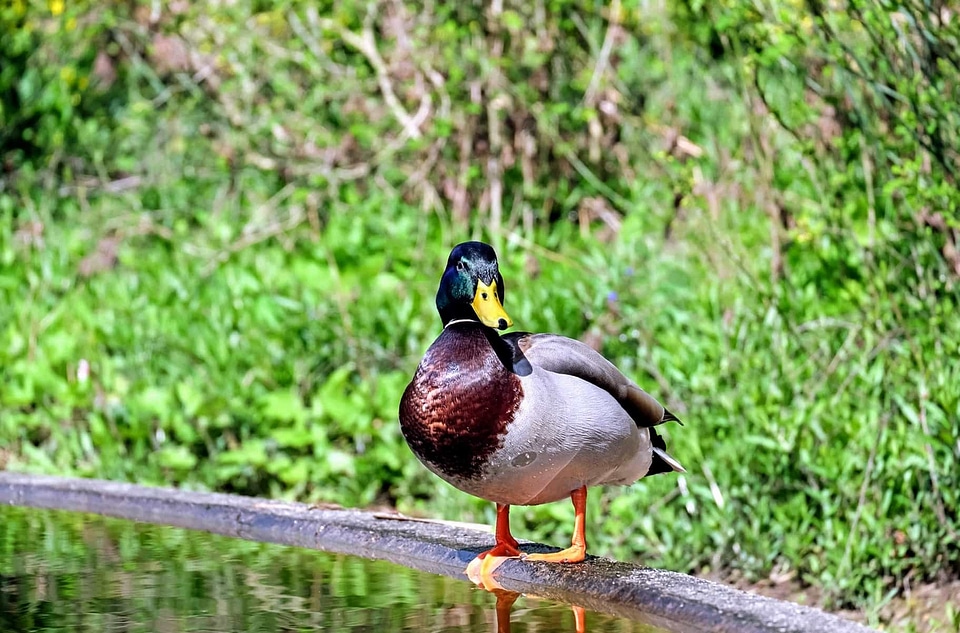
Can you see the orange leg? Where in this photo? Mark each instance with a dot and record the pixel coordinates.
(578, 547)
(506, 545)
(480, 568)
(579, 619)
(505, 600)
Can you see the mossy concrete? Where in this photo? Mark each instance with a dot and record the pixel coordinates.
(664, 599)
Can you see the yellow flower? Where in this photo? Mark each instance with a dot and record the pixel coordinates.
(68, 74)
(56, 6)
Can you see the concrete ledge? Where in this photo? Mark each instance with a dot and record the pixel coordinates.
(672, 601)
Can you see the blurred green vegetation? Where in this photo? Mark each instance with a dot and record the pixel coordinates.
(223, 225)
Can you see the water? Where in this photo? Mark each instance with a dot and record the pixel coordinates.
(63, 571)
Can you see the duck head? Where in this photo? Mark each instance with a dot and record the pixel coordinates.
(471, 287)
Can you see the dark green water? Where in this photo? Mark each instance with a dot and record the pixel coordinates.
(63, 571)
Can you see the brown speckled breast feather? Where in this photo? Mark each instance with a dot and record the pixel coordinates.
(455, 411)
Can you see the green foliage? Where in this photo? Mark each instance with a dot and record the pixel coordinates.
(225, 277)
(870, 273)
(52, 102)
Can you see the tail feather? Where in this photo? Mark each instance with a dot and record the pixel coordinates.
(674, 465)
(663, 462)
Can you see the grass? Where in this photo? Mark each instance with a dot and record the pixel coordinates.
(195, 294)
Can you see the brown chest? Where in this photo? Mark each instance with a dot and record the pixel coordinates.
(454, 413)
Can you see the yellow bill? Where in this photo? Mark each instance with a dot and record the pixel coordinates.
(486, 303)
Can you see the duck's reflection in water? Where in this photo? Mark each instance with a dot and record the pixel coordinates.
(504, 606)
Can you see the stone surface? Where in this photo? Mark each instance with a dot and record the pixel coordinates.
(663, 599)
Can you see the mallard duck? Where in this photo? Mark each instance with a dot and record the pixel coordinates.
(523, 419)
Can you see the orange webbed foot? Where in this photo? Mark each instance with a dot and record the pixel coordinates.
(480, 569)
(573, 554)
(578, 548)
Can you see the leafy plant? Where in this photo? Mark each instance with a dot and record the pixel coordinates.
(223, 276)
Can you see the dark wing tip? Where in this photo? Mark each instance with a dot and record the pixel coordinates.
(515, 360)
(669, 417)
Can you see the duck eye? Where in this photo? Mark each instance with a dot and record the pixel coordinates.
(460, 265)
(484, 295)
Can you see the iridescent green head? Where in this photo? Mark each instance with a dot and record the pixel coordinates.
(471, 287)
